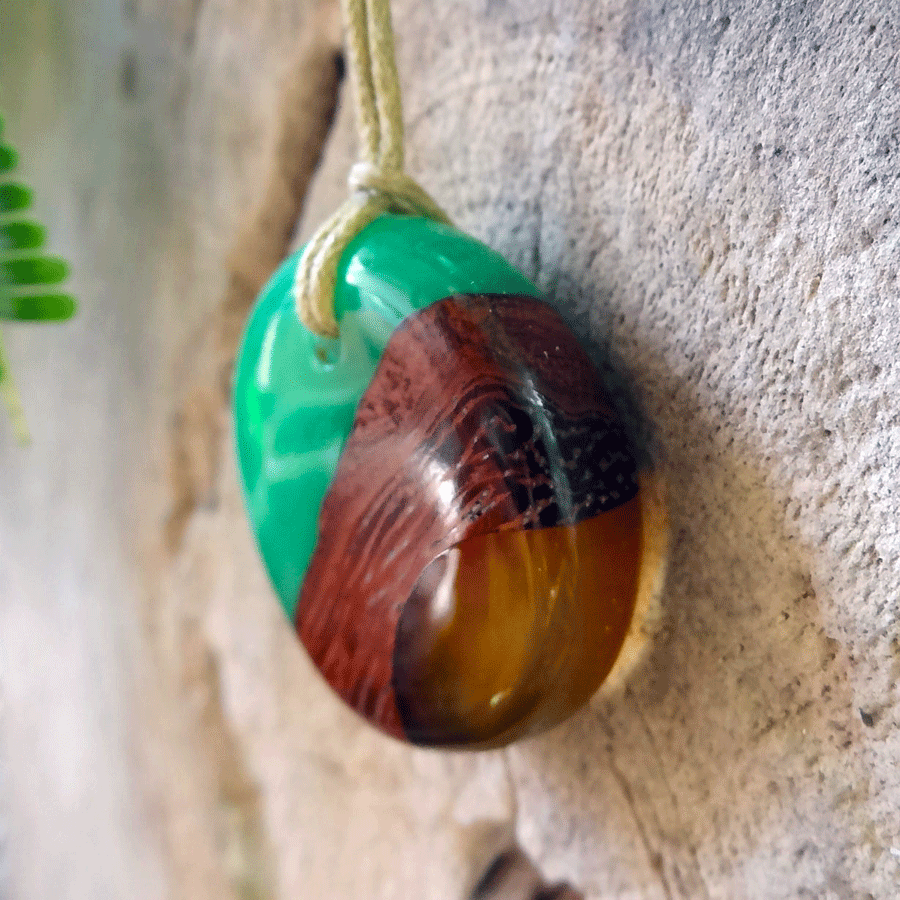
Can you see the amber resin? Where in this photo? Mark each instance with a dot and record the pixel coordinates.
(479, 546)
(514, 631)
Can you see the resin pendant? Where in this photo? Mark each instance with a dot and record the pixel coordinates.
(446, 504)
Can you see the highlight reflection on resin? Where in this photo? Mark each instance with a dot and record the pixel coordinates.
(513, 631)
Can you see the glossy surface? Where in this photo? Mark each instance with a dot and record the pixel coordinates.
(296, 394)
(511, 632)
(479, 547)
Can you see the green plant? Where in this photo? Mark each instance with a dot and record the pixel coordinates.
(28, 278)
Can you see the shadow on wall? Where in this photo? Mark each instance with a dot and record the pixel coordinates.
(739, 717)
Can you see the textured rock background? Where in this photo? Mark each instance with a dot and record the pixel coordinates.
(711, 191)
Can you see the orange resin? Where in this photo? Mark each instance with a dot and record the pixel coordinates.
(517, 629)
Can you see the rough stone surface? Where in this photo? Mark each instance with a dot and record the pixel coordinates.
(710, 191)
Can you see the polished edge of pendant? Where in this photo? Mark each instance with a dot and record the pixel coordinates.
(649, 615)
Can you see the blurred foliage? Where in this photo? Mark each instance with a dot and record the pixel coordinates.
(29, 279)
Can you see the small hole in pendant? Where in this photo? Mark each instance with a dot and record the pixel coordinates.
(327, 352)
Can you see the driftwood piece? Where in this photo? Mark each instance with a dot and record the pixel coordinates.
(709, 192)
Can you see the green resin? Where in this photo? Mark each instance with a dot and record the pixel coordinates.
(296, 393)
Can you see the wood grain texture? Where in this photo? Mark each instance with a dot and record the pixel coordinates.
(484, 415)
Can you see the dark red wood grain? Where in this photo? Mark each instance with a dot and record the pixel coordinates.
(484, 414)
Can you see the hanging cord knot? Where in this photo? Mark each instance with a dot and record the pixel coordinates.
(402, 193)
(377, 183)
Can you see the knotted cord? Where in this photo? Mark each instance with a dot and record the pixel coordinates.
(377, 183)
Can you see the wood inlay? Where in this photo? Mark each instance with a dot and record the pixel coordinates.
(485, 415)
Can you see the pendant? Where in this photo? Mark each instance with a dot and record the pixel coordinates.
(448, 509)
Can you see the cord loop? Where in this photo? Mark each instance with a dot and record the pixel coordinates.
(377, 183)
